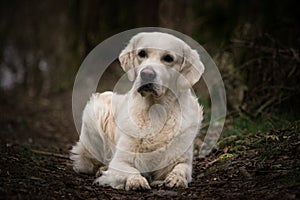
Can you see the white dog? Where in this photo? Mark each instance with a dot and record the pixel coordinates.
(145, 136)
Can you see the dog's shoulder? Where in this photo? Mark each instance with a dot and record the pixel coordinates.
(104, 97)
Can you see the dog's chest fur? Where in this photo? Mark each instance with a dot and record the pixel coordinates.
(157, 124)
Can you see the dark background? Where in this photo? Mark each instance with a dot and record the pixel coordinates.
(254, 43)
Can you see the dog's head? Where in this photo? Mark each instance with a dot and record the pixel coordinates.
(160, 61)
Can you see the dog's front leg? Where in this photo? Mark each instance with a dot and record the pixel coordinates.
(180, 176)
(121, 175)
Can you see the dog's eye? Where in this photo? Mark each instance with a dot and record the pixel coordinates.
(142, 54)
(168, 58)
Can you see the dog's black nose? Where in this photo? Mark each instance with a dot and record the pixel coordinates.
(148, 74)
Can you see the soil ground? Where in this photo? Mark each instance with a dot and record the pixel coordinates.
(36, 136)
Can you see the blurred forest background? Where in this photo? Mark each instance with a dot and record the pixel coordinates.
(254, 43)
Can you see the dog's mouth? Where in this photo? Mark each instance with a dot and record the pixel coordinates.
(149, 88)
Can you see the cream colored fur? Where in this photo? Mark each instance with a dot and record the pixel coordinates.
(145, 140)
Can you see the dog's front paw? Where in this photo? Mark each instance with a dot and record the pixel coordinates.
(136, 182)
(113, 180)
(175, 180)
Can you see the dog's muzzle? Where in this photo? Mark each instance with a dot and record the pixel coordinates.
(148, 76)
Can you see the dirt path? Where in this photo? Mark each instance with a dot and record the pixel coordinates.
(35, 139)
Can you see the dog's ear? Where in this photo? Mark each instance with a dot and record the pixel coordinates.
(191, 68)
(126, 59)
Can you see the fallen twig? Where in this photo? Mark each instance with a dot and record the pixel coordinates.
(50, 154)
